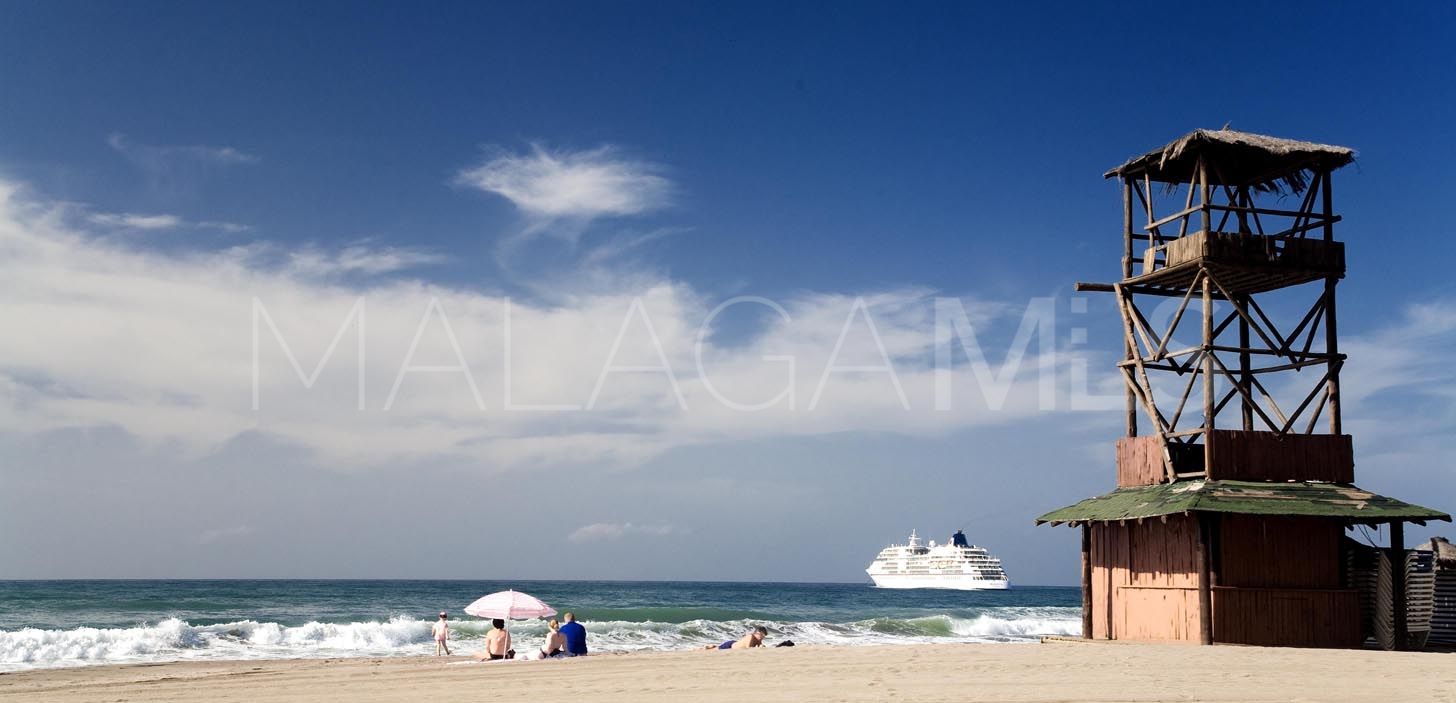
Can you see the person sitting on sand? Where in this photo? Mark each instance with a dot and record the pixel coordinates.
(497, 643)
(555, 641)
(575, 635)
(442, 635)
(754, 638)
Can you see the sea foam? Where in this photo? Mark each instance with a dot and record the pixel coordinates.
(173, 639)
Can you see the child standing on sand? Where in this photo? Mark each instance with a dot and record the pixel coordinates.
(442, 635)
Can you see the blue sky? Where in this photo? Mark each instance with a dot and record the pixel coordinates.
(805, 153)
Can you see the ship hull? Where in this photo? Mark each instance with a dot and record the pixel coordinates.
(956, 582)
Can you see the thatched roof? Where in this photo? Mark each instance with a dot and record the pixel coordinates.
(1238, 159)
(1344, 502)
(1445, 551)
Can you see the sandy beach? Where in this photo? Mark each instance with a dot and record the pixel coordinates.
(1053, 671)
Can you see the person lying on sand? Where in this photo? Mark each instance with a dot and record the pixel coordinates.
(754, 638)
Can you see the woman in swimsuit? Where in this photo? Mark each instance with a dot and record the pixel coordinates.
(555, 641)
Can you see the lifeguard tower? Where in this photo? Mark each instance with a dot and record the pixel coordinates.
(1228, 521)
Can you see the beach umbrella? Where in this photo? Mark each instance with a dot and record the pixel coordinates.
(509, 605)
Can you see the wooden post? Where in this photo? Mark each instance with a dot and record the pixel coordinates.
(1086, 581)
(1245, 373)
(1328, 205)
(1208, 399)
(1205, 580)
(1204, 197)
(1126, 228)
(1131, 400)
(1397, 583)
(1332, 333)
(1332, 347)
(1107, 568)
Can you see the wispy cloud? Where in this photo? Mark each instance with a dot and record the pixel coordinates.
(157, 222)
(155, 156)
(359, 259)
(131, 220)
(612, 531)
(581, 185)
(174, 171)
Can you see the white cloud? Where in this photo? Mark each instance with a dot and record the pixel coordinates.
(359, 258)
(230, 227)
(157, 222)
(580, 185)
(151, 156)
(131, 220)
(613, 531)
(103, 333)
(161, 345)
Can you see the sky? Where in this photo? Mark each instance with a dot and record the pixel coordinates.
(643, 290)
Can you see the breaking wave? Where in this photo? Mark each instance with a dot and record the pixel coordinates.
(174, 639)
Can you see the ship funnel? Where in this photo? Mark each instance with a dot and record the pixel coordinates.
(959, 539)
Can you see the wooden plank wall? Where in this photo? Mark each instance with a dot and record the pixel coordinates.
(1278, 582)
(1150, 572)
(1287, 617)
(1240, 455)
(1256, 250)
(1139, 461)
(1265, 456)
(1272, 552)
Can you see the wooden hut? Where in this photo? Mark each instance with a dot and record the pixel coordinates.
(1231, 529)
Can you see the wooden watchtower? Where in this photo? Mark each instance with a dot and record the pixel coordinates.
(1228, 521)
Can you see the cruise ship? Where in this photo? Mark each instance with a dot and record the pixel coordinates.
(958, 565)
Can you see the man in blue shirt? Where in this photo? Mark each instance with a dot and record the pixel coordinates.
(575, 636)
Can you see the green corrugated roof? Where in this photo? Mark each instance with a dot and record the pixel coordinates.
(1334, 500)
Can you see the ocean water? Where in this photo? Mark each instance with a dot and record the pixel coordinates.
(71, 623)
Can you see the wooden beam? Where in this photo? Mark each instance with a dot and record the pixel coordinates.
(1129, 399)
(1269, 422)
(1245, 373)
(1092, 287)
(1208, 399)
(1203, 189)
(1320, 219)
(1318, 388)
(1145, 387)
(1318, 408)
(1251, 303)
(1086, 581)
(1329, 206)
(1187, 204)
(1332, 347)
(1239, 308)
(1181, 214)
(1127, 228)
(1144, 328)
(1205, 580)
(1177, 317)
(1182, 401)
(1271, 352)
(1397, 583)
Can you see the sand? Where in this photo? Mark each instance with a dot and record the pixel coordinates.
(1057, 671)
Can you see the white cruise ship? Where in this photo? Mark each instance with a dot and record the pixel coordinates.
(958, 565)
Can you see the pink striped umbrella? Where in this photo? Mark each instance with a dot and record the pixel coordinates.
(509, 605)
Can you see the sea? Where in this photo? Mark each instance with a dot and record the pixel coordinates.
(74, 623)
